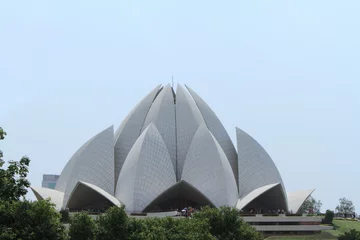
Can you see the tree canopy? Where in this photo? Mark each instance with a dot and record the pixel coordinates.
(207, 224)
(2, 133)
(28, 220)
(82, 227)
(329, 216)
(311, 204)
(345, 206)
(113, 224)
(20, 218)
(226, 224)
(13, 181)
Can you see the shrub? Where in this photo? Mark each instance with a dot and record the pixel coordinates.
(30, 220)
(350, 235)
(187, 229)
(82, 227)
(226, 223)
(293, 214)
(148, 228)
(64, 215)
(169, 228)
(134, 228)
(113, 224)
(329, 216)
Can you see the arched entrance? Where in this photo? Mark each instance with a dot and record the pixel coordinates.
(87, 197)
(272, 199)
(177, 197)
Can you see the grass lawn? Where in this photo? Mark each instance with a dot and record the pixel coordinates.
(341, 226)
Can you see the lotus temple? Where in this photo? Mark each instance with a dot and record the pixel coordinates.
(171, 151)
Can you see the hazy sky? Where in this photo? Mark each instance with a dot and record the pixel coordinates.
(286, 72)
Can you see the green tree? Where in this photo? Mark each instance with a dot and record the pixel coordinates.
(2, 133)
(345, 207)
(24, 220)
(135, 228)
(226, 223)
(310, 203)
(13, 182)
(82, 227)
(65, 215)
(113, 224)
(28, 220)
(329, 216)
(187, 229)
(317, 207)
(169, 228)
(350, 235)
(153, 230)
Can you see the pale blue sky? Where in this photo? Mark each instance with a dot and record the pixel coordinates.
(286, 72)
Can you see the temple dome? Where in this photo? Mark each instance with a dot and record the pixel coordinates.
(171, 151)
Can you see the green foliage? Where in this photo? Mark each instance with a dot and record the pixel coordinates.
(2, 133)
(208, 224)
(64, 215)
(169, 228)
(147, 229)
(13, 182)
(350, 235)
(310, 203)
(134, 228)
(113, 224)
(329, 216)
(225, 223)
(2, 136)
(27, 220)
(345, 207)
(82, 227)
(187, 229)
(24, 220)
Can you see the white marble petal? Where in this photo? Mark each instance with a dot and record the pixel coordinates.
(147, 172)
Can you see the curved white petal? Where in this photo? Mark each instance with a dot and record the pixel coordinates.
(92, 163)
(208, 170)
(147, 172)
(253, 195)
(86, 194)
(256, 168)
(69, 167)
(296, 199)
(218, 130)
(162, 115)
(130, 129)
(56, 197)
(188, 120)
